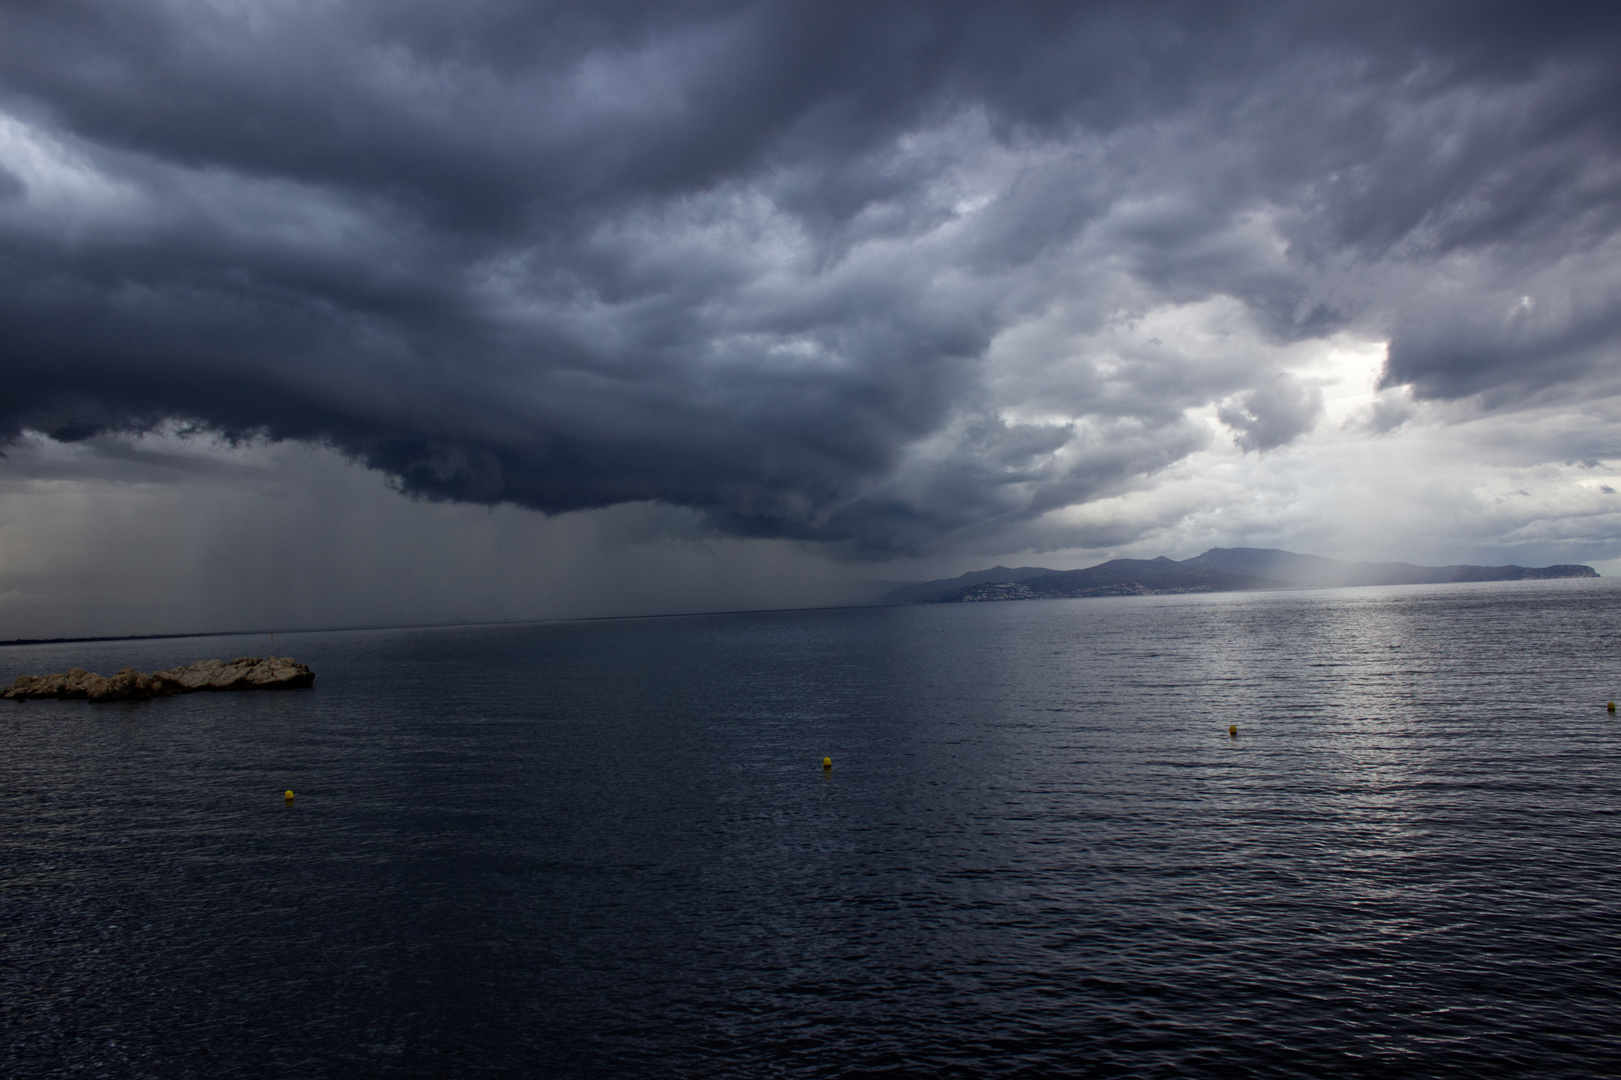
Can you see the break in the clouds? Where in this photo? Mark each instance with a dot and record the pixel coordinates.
(896, 278)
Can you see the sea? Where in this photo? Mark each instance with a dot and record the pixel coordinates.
(611, 849)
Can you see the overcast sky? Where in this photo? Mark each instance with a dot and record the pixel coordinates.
(321, 313)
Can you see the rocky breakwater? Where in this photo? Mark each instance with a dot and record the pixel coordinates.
(243, 673)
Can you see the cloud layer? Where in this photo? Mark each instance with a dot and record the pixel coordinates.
(901, 277)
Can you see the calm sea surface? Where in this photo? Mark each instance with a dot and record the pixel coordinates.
(609, 849)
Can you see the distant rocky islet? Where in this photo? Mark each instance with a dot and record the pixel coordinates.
(242, 673)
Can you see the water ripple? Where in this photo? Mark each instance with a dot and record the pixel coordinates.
(608, 849)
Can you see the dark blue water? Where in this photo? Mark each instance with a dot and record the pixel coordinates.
(609, 849)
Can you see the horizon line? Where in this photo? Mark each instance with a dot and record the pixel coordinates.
(454, 624)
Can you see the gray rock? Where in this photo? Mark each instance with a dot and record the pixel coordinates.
(243, 673)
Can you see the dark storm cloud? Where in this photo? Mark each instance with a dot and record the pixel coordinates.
(1271, 415)
(755, 259)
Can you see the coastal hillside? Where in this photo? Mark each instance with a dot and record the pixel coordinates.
(1217, 570)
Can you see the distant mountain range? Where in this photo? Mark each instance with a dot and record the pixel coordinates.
(1217, 570)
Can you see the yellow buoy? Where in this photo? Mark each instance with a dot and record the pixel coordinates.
(1612, 706)
(827, 763)
(288, 794)
(1232, 730)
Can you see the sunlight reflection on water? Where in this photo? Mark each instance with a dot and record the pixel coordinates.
(609, 848)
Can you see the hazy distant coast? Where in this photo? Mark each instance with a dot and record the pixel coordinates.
(1217, 570)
